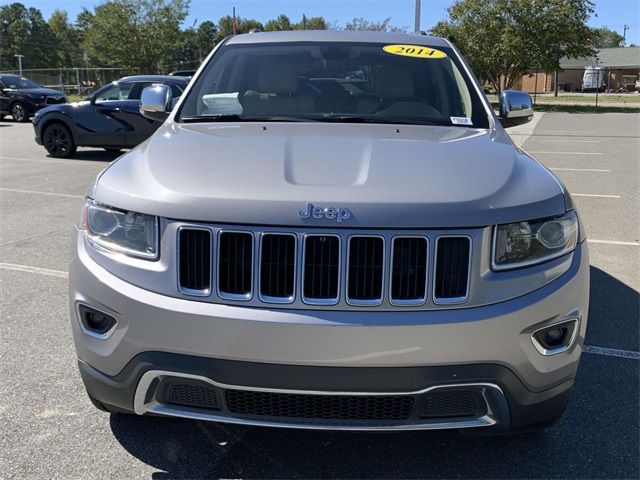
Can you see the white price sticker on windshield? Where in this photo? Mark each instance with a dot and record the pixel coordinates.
(461, 121)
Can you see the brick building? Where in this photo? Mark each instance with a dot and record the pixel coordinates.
(621, 67)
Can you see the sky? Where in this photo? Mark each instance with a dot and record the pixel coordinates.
(611, 13)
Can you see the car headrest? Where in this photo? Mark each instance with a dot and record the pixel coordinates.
(277, 78)
(394, 83)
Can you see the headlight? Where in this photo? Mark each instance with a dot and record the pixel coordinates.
(527, 243)
(130, 233)
(34, 96)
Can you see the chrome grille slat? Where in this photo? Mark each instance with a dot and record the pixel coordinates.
(321, 269)
(365, 270)
(235, 265)
(277, 267)
(194, 259)
(409, 270)
(452, 269)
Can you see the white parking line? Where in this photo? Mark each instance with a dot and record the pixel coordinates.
(611, 352)
(34, 192)
(562, 169)
(594, 195)
(58, 161)
(37, 270)
(614, 242)
(562, 140)
(584, 133)
(566, 153)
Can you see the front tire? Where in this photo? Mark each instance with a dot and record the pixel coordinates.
(19, 112)
(57, 140)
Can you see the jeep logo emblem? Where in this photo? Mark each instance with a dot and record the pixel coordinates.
(331, 213)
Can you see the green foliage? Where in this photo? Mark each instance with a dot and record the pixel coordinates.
(24, 31)
(67, 40)
(504, 39)
(144, 34)
(603, 37)
(360, 23)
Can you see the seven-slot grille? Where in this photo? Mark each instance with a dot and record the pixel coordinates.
(295, 267)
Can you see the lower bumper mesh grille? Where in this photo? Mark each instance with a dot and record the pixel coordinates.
(199, 395)
(324, 407)
(452, 404)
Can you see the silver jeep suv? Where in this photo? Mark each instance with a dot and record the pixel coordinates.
(331, 230)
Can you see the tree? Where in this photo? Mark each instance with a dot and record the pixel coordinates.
(360, 23)
(279, 24)
(143, 34)
(312, 23)
(24, 31)
(603, 37)
(67, 40)
(505, 39)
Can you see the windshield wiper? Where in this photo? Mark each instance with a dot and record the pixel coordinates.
(234, 117)
(381, 119)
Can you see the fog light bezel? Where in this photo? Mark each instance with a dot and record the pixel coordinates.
(542, 350)
(87, 330)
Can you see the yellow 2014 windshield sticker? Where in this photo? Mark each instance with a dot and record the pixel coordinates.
(416, 51)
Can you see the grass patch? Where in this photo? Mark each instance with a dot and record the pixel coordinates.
(74, 98)
(581, 99)
(542, 107)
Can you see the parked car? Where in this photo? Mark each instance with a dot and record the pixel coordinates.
(22, 98)
(331, 230)
(109, 118)
(183, 73)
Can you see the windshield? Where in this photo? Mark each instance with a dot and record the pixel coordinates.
(335, 81)
(18, 83)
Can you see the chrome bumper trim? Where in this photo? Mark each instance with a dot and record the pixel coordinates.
(142, 404)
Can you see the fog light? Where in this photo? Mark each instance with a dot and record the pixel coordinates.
(96, 323)
(555, 338)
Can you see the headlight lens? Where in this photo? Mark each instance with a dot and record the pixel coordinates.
(131, 233)
(527, 243)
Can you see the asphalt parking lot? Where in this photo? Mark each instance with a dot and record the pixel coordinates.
(50, 429)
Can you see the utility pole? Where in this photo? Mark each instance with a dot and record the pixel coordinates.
(624, 34)
(19, 57)
(417, 18)
(234, 28)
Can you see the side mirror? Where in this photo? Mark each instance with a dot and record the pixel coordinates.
(516, 108)
(92, 99)
(155, 102)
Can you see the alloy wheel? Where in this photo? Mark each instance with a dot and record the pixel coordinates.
(57, 141)
(18, 112)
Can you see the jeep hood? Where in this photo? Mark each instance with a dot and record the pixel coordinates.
(388, 176)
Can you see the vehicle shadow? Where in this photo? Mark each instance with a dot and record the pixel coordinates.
(596, 438)
(94, 155)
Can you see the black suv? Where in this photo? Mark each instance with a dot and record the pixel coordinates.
(22, 98)
(109, 118)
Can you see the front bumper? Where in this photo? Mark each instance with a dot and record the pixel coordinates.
(363, 351)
